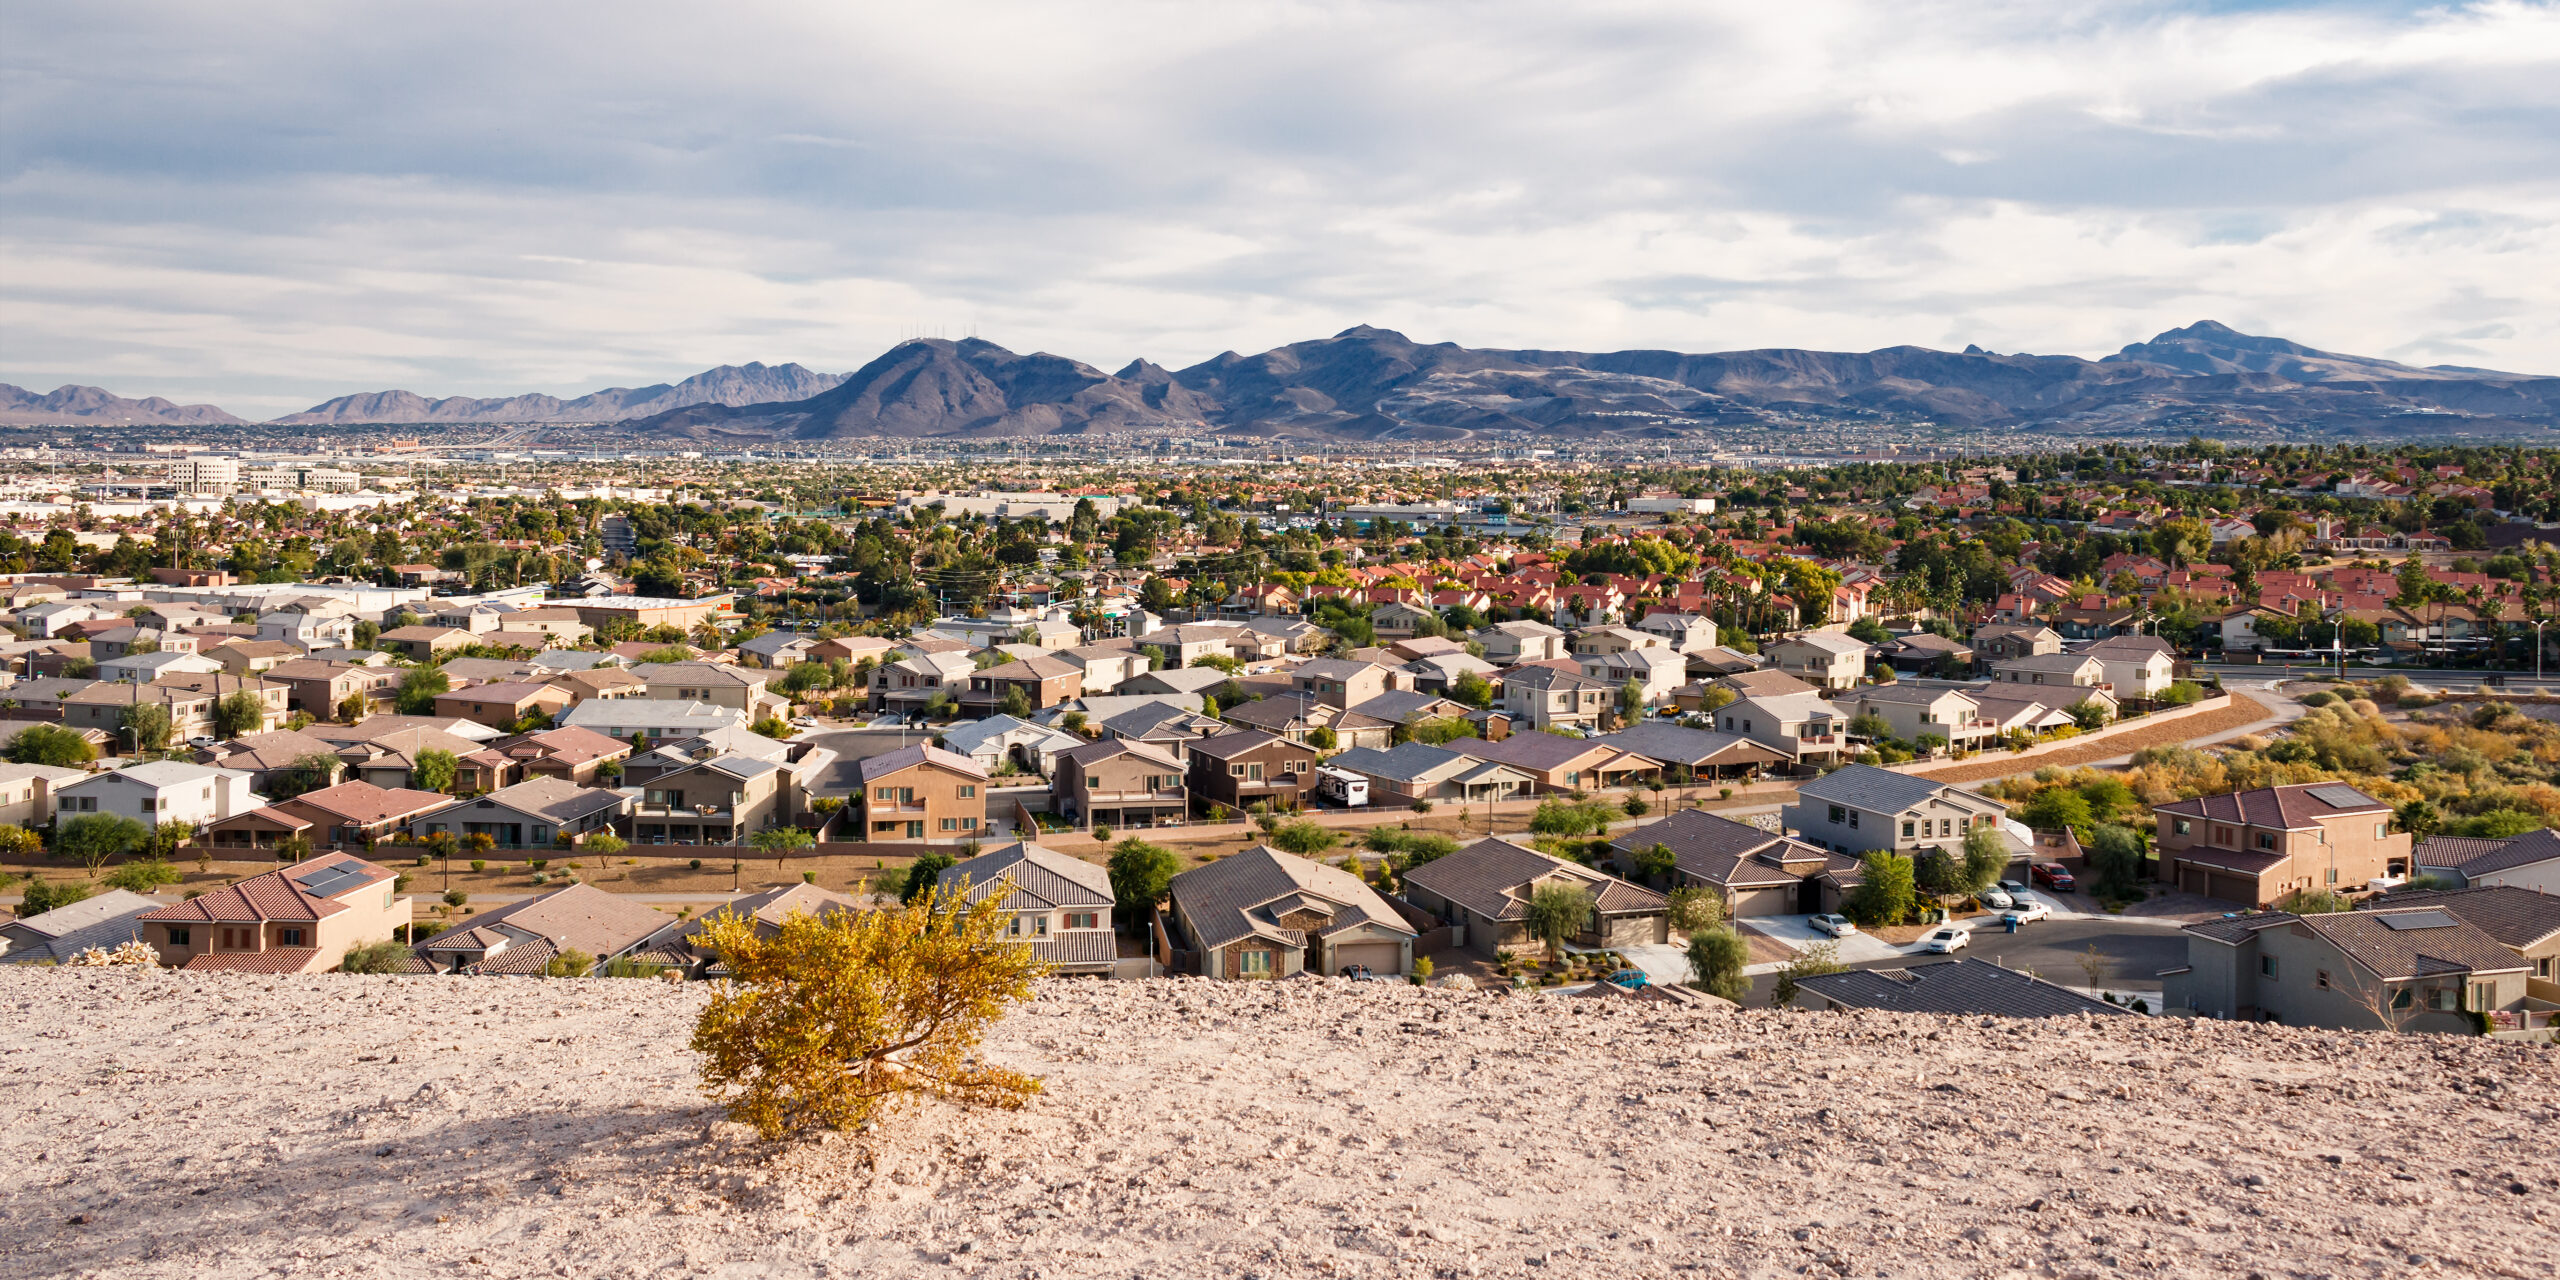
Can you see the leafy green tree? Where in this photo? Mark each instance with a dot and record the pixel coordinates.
(1655, 862)
(2107, 795)
(1886, 892)
(1471, 689)
(239, 712)
(1558, 911)
(1813, 961)
(603, 844)
(1305, 838)
(434, 770)
(2118, 863)
(780, 841)
(95, 839)
(2087, 715)
(1869, 631)
(49, 744)
(1139, 874)
(1986, 855)
(2056, 808)
(143, 876)
(2418, 818)
(148, 723)
(1717, 957)
(419, 690)
(43, 895)
(922, 875)
(384, 956)
(1323, 738)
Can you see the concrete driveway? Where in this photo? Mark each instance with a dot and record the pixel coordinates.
(1661, 962)
(1798, 932)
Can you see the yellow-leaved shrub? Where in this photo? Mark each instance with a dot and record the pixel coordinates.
(826, 1020)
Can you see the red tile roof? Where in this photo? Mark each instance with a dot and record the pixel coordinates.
(272, 960)
(275, 895)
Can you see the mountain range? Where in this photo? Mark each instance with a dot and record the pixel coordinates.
(1376, 384)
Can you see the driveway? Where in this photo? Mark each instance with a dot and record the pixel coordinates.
(1798, 933)
(2130, 953)
(1661, 962)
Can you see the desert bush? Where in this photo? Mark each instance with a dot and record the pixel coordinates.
(44, 895)
(384, 956)
(143, 876)
(1304, 838)
(1716, 960)
(479, 864)
(1693, 908)
(1820, 958)
(571, 963)
(830, 1019)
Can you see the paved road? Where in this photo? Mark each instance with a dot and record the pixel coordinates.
(2424, 677)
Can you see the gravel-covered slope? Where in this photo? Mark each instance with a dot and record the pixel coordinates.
(161, 1124)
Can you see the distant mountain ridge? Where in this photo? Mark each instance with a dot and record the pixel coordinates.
(1368, 383)
(729, 384)
(1373, 384)
(20, 407)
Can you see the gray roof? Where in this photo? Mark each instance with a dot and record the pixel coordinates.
(1918, 695)
(2056, 663)
(1675, 744)
(556, 799)
(2516, 916)
(580, 917)
(1537, 750)
(1494, 878)
(1041, 877)
(1403, 762)
(1961, 986)
(2441, 946)
(1733, 854)
(1864, 786)
(105, 920)
(2540, 845)
(1396, 706)
(1243, 896)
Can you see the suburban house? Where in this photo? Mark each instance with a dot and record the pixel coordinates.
(143, 668)
(296, 919)
(106, 921)
(1860, 807)
(1526, 640)
(1917, 711)
(1556, 763)
(923, 793)
(2008, 709)
(2135, 666)
(160, 791)
(2000, 641)
(522, 938)
(316, 688)
(1538, 697)
(344, 816)
(26, 792)
(1342, 682)
(2529, 861)
(1120, 782)
(652, 718)
(909, 684)
(1296, 715)
(2400, 969)
(764, 911)
(529, 815)
(1061, 906)
(1263, 913)
(389, 758)
(1657, 671)
(1823, 659)
(2053, 670)
(775, 650)
(1043, 681)
(1960, 987)
(1686, 632)
(1485, 889)
(104, 706)
(1248, 766)
(2522, 920)
(1928, 653)
(1756, 872)
(1001, 740)
(721, 798)
(577, 755)
(1802, 725)
(1762, 684)
(1411, 772)
(424, 643)
(2254, 847)
(503, 706)
(1704, 754)
(252, 657)
(718, 684)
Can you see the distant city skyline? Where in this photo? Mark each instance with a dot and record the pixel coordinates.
(263, 206)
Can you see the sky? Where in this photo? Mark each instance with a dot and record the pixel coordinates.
(262, 205)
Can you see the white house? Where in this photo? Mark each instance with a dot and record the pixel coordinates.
(308, 630)
(143, 668)
(160, 791)
(2138, 666)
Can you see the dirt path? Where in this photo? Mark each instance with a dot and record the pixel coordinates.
(2243, 711)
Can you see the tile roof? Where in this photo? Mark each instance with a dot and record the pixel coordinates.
(2394, 953)
(1221, 746)
(2540, 845)
(1677, 744)
(889, 762)
(1080, 948)
(579, 917)
(1227, 899)
(1961, 986)
(1735, 855)
(2293, 807)
(278, 894)
(1403, 762)
(271, 960)
(1544, 751)
(2517, 917)
(1864, 786)
(1042, 877)
(1495, 878)
(364, 804)
(556, 799)
(105, 920)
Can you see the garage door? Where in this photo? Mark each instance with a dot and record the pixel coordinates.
(1380, 957)
(1636, 931)
(2235, 889)
(2193, 880)
(1764, 902)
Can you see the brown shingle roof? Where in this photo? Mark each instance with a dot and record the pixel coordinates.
(1495, 878)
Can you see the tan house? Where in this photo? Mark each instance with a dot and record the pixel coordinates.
(1121, 782)
(721, 800)
(26, 792)
(574, 755)
(1823, 659)
(1267, 914)
(424, 643)
(1565, 764)
(1510, 643)
(316, 688)
(529, 815)
(1043, 682)
(253, 657)
(1917, 711)
(103, 707)
(1485, 889)
(923, 793)
(351, 813)
(2136, 666)
(1248, 766)
(719, 684)
(1061, 906)
(502, 706)
(2255, 847)
(599, 683)
(220, 685)
(296, 919)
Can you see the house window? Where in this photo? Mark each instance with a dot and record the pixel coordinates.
(967, 791)
(1235, 771)
(2333, 875)
(2444, 999)
(1253, 773)
(178, 938)
(2402, 998)
(1254, 964)
(2266, 966)
(2380, 829)
(2320, 979)
(1084, 920)
(1853, 819)
(2484, 996)
(289, 937)
(149, 804)
(2266, 840)
(1838, 815)
(1906, 830)
(2183, 826)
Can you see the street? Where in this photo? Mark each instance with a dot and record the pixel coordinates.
(2134, 951)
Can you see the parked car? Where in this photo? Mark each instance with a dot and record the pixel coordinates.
(1947, 938)
(2026, 912)
(1631, 979)
(2052, 876)
(2014, 888)
(1995, 898)
(200, 741)
(1833, 925)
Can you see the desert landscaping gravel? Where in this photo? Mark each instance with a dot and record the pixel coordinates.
(158, 1124)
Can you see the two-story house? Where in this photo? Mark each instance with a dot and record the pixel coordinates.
(1525, 640)
(722, 798)
(105, 707)
(1804, 726)
(2000, 641)
(1042, 681)
(1859, 807)
(160, 791)
(307, 631)
(1918, 711)
(2135, 666)
(1541, 697)
(1267, 914)
(1249, 766)
(1121, 782)
(2255, 847)
(296, 919)
(1823, 659)
(1755, 872)
(1060, 906)
(2409, 969)
(923, 793)
(907, 685)
(503, 706)
(576, 755)
(318, 688)
(1486, 887)
(1342, 682)
(1687, 632)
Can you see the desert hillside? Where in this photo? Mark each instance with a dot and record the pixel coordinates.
(165, 1124)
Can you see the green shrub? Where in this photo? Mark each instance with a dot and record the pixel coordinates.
(479, 864)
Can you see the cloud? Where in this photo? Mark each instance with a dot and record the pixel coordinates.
(265, 204)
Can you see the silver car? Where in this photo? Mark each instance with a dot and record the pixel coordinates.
(1833, 925)
(1996, 899)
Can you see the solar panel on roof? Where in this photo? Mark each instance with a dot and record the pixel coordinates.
(2341, 797)
(330, 880)
(2418, 920)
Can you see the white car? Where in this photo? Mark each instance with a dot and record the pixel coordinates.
(2027, 911)
(1837, 926)
(1995, 898)
(1946, 939)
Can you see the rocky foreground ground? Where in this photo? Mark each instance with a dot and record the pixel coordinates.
(158, 1124)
